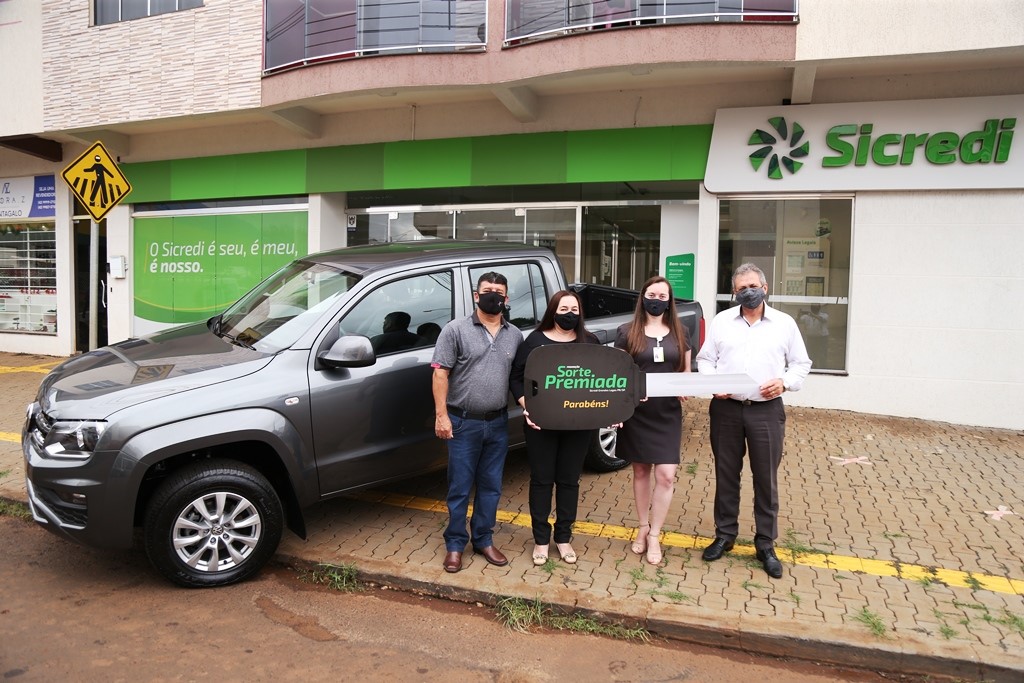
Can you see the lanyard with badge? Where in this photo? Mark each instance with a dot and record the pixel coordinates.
(659, 351)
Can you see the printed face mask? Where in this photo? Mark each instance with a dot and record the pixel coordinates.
(655, 306)
(491, 303)
(567, 321)
(751, 297)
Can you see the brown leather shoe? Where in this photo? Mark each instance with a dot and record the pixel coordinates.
(492, 555)
(453, 562)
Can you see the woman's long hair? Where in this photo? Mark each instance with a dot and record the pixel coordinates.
(548, 321)
(636, 340)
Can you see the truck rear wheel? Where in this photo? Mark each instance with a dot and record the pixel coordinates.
(601, 455)
(212, 524)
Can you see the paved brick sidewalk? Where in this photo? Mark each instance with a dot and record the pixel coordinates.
(892, 557)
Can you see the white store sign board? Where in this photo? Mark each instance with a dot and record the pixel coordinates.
(945, 144)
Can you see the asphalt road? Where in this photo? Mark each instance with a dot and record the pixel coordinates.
(73, 613)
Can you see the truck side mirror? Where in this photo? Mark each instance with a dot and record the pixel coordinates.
(352, 351)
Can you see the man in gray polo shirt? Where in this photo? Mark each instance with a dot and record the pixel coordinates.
(471, 364)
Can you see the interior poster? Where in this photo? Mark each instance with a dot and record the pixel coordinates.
(188, 268)
(679, 273)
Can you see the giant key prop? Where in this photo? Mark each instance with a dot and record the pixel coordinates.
(588, 386)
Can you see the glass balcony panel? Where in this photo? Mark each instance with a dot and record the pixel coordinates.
(528, 20)
(285, 39)
(330, 27)
(299, 31)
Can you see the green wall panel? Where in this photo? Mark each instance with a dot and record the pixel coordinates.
(151, 181)
(240, 175)
(428, 163)
(519, 159)
(691, 146)
(664, 153)
(334, 169)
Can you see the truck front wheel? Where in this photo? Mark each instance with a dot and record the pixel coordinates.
(601, 455)
(212, 523)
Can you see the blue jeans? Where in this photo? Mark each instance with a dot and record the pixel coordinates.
(476, 456)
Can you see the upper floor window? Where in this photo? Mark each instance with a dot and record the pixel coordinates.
(113, 11)
(298, 32)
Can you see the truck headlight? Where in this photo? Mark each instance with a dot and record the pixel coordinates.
(73, 439)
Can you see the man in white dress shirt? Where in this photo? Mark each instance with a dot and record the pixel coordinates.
(765, 343)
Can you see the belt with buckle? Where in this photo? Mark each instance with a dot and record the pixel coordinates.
(467, 415)
(748, 402)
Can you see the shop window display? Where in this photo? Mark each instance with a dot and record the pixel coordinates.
(28, 278)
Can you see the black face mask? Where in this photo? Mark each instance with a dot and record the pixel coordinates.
(491, 303)
(655, 306)
(567, 321)
(750, 298)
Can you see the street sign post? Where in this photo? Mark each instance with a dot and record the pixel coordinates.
(97, 181)
(100, 186)
(589, 386)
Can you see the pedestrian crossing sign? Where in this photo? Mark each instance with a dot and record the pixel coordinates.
(97, 181)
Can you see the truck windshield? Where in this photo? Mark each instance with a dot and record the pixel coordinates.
(277, 311)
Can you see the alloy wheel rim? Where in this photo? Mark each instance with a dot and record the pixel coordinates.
(216, 532)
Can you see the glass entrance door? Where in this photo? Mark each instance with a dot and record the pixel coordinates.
(620, 244)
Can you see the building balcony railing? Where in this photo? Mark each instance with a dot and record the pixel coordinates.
(530, 20)
(302, 32)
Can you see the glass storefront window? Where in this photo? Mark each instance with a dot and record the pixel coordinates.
(803, 247)
(28, 278)
(556, 230)
(499, 225)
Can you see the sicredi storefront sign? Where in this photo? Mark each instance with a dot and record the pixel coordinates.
(908, 145)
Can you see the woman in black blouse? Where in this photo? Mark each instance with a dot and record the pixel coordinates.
(555, 456)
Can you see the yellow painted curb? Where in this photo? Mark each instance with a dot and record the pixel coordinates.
(856, 565)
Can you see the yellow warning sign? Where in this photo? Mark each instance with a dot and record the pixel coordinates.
(97, 181)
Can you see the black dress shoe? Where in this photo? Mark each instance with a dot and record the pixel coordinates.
(453, 561)
(770, 562)
(717, 549)
(492, 555)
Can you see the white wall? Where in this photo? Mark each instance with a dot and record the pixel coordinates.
(21, 54)
(935, 315)
(834, 29)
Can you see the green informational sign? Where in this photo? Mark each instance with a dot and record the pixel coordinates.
(679, 273)
(187, 268)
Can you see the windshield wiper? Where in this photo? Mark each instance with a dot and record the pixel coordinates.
(236, 341)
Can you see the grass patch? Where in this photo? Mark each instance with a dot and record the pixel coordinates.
(754, 585)
(11, 508)
(972, 581)
(1014, 621)
(796, 547)
(523, 615)
(926, 581)
(872, 621)
(4, 473)
(339, 577)
(549, 566)
(674, 596)
(691, 468)
(795, 598)
(892, 535)
(946, 631)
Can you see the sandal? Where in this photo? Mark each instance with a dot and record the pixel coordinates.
(654, 555)
(566, 552)
(540, 555)
(639, 546)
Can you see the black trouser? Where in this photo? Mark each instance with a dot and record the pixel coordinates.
(556, 461)
(758, 428)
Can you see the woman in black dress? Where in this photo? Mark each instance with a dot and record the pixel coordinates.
(555, 456)
(651, 438)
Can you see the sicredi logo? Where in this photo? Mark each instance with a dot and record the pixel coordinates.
(859, 145)
(781, 150)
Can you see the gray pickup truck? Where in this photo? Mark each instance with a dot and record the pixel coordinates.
(214, 436)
